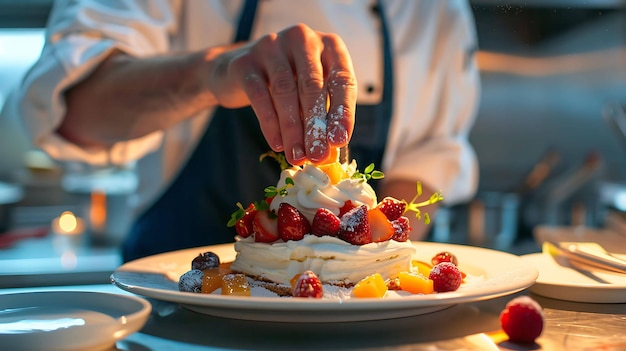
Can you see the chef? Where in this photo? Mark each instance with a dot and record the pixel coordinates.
(193, 92)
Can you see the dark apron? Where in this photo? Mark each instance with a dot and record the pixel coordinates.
(224, 168)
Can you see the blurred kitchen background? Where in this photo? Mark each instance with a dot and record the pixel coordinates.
(550, 138)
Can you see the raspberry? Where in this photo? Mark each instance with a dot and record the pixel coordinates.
(391, 207)
(446, 277)
(522, 319)
(401, 229)
(444, 256)
(308, 285)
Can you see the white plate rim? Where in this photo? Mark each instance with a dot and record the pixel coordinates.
(571, 290)
(520, 278)
(131, 314)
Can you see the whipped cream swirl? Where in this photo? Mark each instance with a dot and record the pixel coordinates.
(313, 189)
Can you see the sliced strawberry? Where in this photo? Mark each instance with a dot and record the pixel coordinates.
(244, 224)
(325, 223)
(347, 206)
(265, 227)
(308, 285)
(401, 229)
(355, 226)
(392, 207)
(381, 227)
(292, 225)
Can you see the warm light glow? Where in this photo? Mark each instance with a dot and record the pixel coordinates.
(549, 65)
(67, 222)
(98, 211)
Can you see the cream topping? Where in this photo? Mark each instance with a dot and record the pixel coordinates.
(330, 258)
(312, 189)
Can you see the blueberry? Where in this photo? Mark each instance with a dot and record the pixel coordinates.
(191, 281)
(205, 260)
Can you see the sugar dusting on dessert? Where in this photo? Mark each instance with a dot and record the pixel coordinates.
(316, 123)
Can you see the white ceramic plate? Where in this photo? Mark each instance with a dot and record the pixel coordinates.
(492, 274)
(561, 282)
(68, 320)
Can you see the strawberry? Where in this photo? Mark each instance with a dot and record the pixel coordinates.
(265, 227)
(292, 225)
(401, 229)
(392, 208)
(355, 227)
(325, 223)
(244, 224)
(347, 206)
(446, 277)
(308, 285)
(381, 228)
(522, 319)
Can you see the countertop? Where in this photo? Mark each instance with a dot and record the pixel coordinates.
(473, 326)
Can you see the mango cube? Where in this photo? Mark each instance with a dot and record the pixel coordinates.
(415, 283)
(371, 286)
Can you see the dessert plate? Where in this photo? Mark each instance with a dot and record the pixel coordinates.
(69, 320)
(490, 274)
(564, 283)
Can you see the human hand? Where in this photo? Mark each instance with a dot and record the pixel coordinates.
(287, 78)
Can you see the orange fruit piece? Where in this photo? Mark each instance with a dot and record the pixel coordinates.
(381, 227)
(235, 284)
(212, 280)
(415, 283)
(371, 286)
(422, 267)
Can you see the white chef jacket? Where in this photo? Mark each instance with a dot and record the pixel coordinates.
(436, 82)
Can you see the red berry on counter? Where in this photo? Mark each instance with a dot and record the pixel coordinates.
(355, 227)
(325, 222)
(446, 277)
(522, 319)
(401, 229)
(292, 225)
(265, 227)
(308, 285)
(205, 261)
(392, 208)
(444, 256)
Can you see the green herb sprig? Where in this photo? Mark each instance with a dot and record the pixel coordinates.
(368, 173)
(272, 191)
(415, 206)
(278, 157)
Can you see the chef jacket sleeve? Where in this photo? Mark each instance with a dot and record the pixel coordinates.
(79, 36)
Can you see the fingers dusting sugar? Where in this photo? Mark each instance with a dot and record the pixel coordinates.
(316, 124)
(336, 132)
